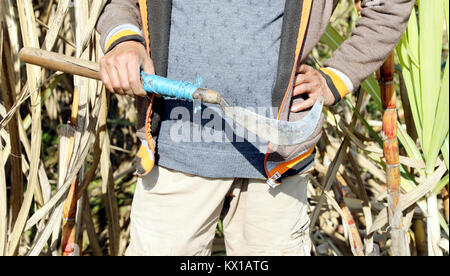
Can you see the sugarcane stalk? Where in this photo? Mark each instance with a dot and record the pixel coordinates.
(391, 154)
(71, 234)
(68, 228)
(7, 86)
(70, 205)
(356, 243)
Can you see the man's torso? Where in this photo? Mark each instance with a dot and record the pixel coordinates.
(234, 46)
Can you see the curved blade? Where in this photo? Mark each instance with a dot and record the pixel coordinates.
(278, 132)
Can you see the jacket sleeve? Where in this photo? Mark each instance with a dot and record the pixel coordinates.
(120, 21)
(376, 34)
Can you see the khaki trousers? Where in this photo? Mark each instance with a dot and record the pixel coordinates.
(175, 213)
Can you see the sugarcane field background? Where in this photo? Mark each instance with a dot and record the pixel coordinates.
(379, 187)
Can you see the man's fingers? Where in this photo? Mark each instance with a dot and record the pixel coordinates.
(135, 80)
(134, 77)
(114, 78)
(104, 75)
(147, 66)
(302, 89)
(302, 78)
(122, 70)
(303, 105)
(303, 69)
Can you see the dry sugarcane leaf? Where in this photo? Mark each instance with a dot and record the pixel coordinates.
(15, 152)
(407, 161)
(43, 178)
(90, 228)
(66, 132)
(410, 198)
(348, 233)
(3, 194)
(355, 241)
(444, 245)
(357, 205)
(62, 191)
(108, 195)
(13, 35)
(49, 43)
(367, 164)
(411, 162)
(91, 173)
(1, 38)
(98, 141)
(95, 10)
(7, 148)
(334, 167)
(6, 86)
(79, 119)
(109, 199)
(42, 237)
(45, 186)
(55, 23)
(60, 36)
(30, 39)
(2, 110)
(68, 180)
(3, 207)
(368, 240)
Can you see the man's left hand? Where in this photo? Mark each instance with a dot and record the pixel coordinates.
(310, 81)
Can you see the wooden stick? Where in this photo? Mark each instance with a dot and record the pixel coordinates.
(60, 62)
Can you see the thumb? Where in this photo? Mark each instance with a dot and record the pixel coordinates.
(148, 66)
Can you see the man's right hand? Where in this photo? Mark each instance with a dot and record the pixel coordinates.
(120, 68)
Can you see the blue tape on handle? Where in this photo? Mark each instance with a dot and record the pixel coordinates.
(169, 88)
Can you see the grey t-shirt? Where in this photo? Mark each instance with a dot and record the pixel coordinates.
(233, 46)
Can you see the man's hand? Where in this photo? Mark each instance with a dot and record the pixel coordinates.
(310, 81)
(120, 68)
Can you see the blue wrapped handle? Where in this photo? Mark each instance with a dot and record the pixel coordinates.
(169, 88)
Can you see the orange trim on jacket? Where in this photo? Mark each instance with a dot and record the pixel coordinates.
(148, 119)
(144, 13)
(304, 21)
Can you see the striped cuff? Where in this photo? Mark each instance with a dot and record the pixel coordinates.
(339, 84)
(121, 33)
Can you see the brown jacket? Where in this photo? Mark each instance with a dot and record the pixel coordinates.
(377, 32)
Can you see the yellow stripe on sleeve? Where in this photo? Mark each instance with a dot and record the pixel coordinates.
(337, 81)
(119, 35)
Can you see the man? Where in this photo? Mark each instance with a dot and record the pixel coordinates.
(253, 52)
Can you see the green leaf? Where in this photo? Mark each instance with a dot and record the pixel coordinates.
(409, 145)
(444, 151)
(431, 22)
(440, 185)
(372, 132)
(407, 48)
(332, 38)
(441, 122)
(411, 84)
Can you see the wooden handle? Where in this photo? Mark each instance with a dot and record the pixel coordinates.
(58, 62)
